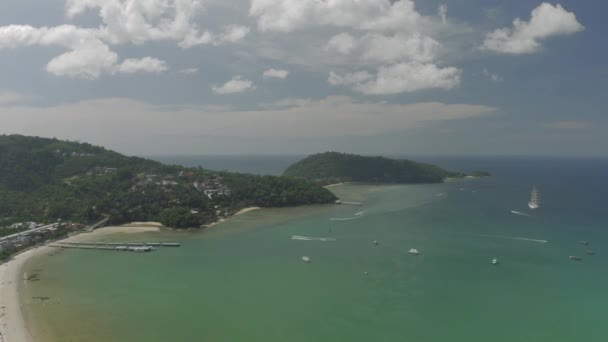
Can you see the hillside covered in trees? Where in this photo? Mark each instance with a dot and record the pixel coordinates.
(46, 180)
(334, 167)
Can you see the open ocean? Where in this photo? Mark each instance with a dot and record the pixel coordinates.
(244, 280)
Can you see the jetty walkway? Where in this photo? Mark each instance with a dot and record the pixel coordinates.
(116, 246)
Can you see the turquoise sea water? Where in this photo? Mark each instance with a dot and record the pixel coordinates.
(245, 281)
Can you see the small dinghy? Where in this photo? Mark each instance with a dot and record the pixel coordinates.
(575, 258)
(584, 243)
(413, 251)
(305, 259)
(494, 261)
(589, 252)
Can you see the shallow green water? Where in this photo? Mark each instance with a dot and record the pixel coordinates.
(245, 280)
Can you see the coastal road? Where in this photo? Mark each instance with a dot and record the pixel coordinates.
(25, 232)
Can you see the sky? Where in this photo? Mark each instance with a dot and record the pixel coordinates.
(218, 77)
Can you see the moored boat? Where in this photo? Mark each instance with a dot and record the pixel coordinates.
(413, 251)
(305, 259)
(575, 258)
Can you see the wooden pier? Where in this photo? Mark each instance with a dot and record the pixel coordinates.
(116, 246)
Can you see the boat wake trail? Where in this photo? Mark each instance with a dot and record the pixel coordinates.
(519, 213)
(310, 238)
(360, 213)
(514, 238)
(345, 218)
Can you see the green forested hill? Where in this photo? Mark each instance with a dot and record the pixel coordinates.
(48, 179)
(28, 163)
(333, 167)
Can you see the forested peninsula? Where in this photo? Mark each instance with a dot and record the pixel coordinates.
(333, 167)
(49, 180)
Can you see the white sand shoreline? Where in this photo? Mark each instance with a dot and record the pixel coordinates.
(246, 210)
(333, 185)
(12, 322)
(240, 212)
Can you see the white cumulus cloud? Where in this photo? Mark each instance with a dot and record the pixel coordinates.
(89, 52)
(87, 61)
(289, 15)
(380, 48)
(399, 78)
(525, 36)
(342, 43)
(147, 64)
(236, 85)
(391, 37)
(276, 73)
(234, 33)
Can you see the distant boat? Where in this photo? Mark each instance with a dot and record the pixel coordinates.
(575, 258)
(413, 251)
(494, 261)
(584, 243)
(534, 199)
(305, 259)
(590, 252)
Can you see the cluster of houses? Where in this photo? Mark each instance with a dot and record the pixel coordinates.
(34, 233)
(144, 179)
(71, 154)
(212, 188)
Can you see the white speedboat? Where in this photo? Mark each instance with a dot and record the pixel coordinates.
(413, 251)
(494, 261)
(305, 259)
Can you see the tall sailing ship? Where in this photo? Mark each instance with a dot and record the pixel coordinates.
(534, 199)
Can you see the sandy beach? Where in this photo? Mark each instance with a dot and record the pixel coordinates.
(246, 210)
(332, 185)
(240, 212)
(12, 324)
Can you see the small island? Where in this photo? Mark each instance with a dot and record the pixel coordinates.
(333, 167)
